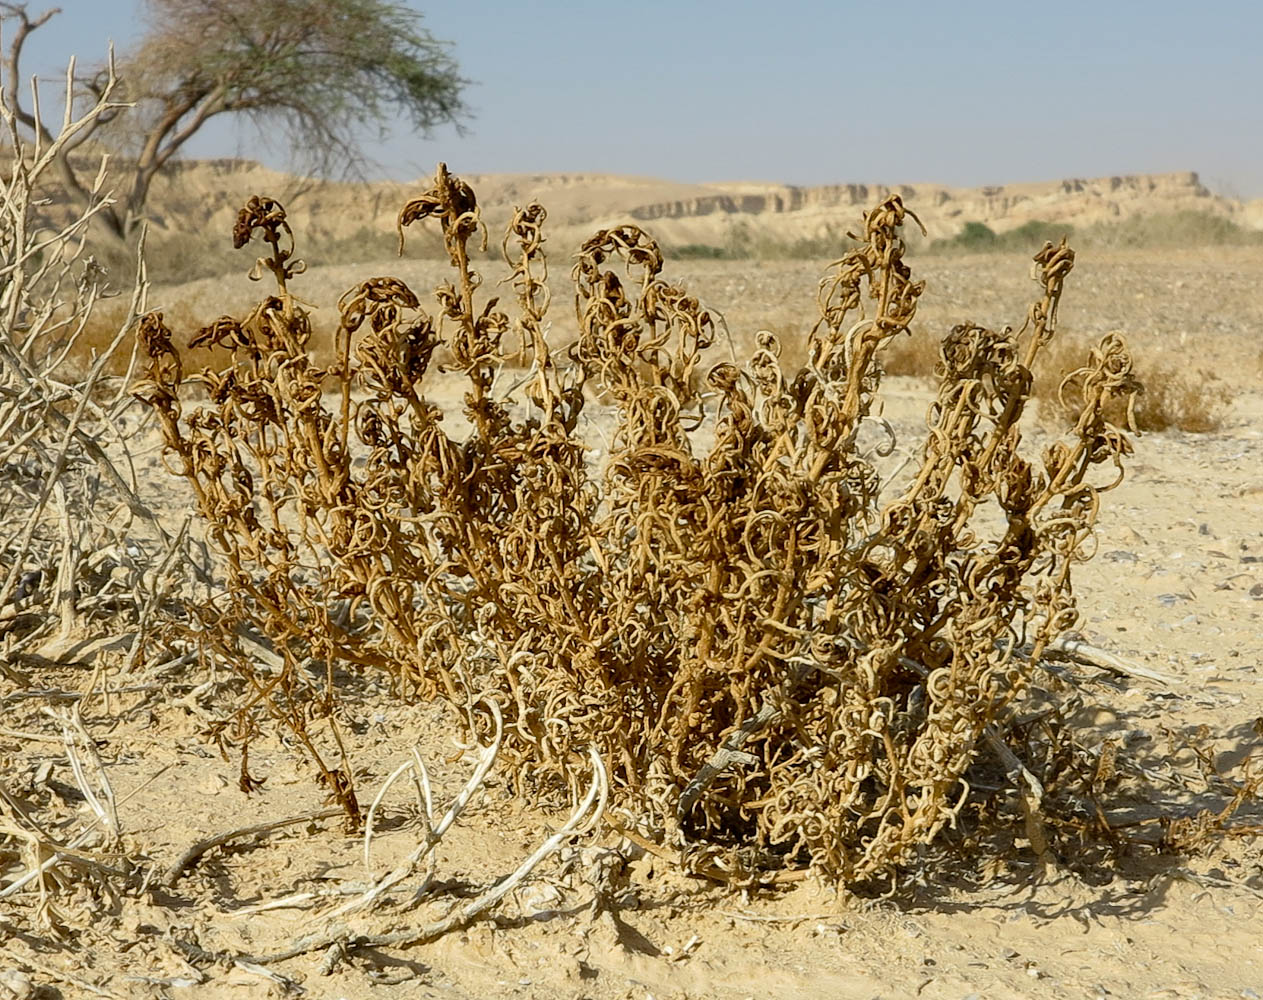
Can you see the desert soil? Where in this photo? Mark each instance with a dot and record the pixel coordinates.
(1177, 586)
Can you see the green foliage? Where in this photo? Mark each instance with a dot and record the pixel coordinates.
(702, 251)
(977, 237)
(745, 242)
(316, 79)
(367, 243)
(1030, 236)
(1162, 230)
(313, 77)
(829, 245)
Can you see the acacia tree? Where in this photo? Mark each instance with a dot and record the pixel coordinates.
(315, 76)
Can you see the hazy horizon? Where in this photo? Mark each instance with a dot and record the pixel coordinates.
(806, 93)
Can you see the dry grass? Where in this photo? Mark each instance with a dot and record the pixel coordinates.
(1176, 399)
(916, 355)
(912, 353)
(1171, 398)
(102, 326)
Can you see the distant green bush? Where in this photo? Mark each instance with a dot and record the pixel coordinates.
(745, 242)
(702, 251)
(829, 245)
(1030, 236)
(1167, 229)
(977, 237)
(369, 243)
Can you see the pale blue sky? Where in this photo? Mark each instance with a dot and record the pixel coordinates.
(955, 92)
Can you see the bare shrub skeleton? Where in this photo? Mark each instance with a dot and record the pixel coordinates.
(775, 666)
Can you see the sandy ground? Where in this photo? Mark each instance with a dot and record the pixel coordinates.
(1200, 305)
(1177, 586)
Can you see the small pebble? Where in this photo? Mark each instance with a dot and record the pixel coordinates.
(16, 985)
(28, 584)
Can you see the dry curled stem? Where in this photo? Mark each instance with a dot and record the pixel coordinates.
(776, 666)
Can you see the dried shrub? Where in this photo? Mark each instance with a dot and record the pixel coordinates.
(69, 511)
(1175, 399)
(1171, 397)
(915, 356)
(80, 552)
(775, 668)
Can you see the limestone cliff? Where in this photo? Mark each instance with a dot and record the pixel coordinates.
(204, 195)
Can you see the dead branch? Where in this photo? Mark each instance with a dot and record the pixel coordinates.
(193, 854)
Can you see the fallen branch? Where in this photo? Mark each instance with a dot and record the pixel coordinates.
(1031, 791)
(61, 975)
(433, 833)
(190, 857)
(729, 753)
(1092, 656)
(340, 939)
